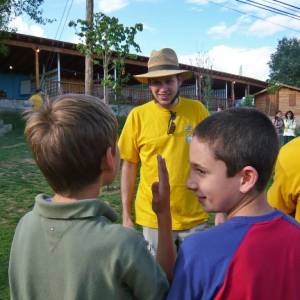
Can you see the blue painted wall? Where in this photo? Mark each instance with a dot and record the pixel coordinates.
(11, 84)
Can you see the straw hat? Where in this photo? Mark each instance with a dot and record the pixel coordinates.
(163, 63)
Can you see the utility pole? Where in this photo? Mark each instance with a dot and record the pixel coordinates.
(88, 57)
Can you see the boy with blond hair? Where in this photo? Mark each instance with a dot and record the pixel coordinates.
(255, 254)
(67, 247)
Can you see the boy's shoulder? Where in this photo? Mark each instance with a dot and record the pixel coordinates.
(229, 235)
(223, 238)
(90, 224)
(207, 258)
(228, 240)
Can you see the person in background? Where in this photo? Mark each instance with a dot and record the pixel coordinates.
(289, 127)
(162, 126)
(36, 100)
(279, 125)
(220, 108)
(284, 193)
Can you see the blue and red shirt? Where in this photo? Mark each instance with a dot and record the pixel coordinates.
(246, 258)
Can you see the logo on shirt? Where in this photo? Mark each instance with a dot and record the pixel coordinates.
(188, 128)
(188, 138)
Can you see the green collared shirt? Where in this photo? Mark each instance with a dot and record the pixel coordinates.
(74, 251)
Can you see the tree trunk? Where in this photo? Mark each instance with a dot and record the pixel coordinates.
(105, 96)
(88, 58)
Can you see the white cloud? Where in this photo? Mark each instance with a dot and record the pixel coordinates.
(272, 25)
(108, 6)
(228, 59)
(223, 31)
(149, 28)
(197, 2)
(204, 2)
(75, 39)
(22, 27)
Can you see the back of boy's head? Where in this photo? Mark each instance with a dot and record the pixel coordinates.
(242, 137)
(69, 138)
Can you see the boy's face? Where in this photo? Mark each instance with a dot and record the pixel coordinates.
(209, 181)
(165, 89)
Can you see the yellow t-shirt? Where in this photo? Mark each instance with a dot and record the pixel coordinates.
(143, 137)
(36, 100)
(284, 194)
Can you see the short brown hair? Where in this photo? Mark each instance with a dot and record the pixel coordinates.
(68, 138)
(242, 137)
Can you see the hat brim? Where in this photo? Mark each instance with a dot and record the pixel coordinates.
(144, 78)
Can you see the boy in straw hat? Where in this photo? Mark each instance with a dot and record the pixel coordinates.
(162, 126)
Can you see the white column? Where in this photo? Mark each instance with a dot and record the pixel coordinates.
(58, 72)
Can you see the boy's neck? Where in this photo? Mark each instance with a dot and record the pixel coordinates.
(251, 205)
(89, 192)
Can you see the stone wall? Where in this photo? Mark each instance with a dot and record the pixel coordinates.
(13, 105)
(4, 128)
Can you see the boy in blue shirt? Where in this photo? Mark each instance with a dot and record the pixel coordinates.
(255, 254)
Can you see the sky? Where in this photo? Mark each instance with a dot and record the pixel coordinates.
(227, 35)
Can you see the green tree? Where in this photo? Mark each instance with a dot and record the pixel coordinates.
(285, 62)
(9, 9)
(109, 42)
(248, 101)
(207, 91)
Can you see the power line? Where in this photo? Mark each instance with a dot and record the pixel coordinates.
(282, 6)
(67, 16)
(61, 19)
(286, 4)
(270, 9)
(256, 17)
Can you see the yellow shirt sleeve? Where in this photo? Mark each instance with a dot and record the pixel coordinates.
(279, 194)
(127, 141)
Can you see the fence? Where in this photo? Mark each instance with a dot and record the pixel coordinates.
(132, 95)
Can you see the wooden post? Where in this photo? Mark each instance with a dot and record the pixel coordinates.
(88, 58)
(247, 90)
(232, 93)
(37, 69)
(226, 94)
(115, 78)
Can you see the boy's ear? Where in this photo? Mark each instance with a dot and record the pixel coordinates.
(108, 160)
(249, 177)
(108, 166)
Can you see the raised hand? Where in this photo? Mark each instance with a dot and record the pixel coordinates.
(166, 255)
(161, 189)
